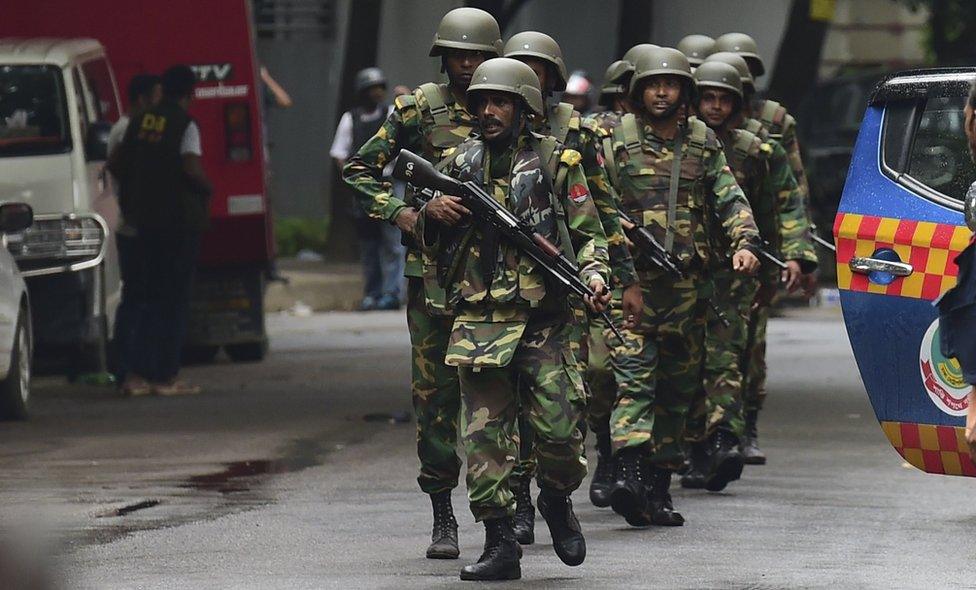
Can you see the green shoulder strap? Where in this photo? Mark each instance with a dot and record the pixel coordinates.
(744, 141)
(610, 162)
(559, 121)
(550, 163)
(631, 134)
(753, 126)
(673, 182)
(435, 104)
(768, 116)
(697, 136)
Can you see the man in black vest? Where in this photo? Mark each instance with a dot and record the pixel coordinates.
(164, 195)
(379, 243)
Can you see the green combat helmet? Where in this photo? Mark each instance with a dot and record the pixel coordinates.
(507, 75)
(471, 29)
(614, 80)
(739, 63)
(696, 48)
(634, 52)
(716, 74)
(541, 46)
(745, 46)
(658, 62)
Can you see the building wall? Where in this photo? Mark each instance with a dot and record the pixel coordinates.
(309, 67)
(868, 33)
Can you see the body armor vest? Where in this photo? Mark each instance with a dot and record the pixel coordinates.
(483, 269)
(644, 171)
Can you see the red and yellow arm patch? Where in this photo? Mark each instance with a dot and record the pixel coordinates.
(931, 249)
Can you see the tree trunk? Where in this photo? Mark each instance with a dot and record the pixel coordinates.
(635, 21)
(364, 29)
(798, 58)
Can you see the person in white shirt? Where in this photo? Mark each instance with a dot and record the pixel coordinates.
(381, 252)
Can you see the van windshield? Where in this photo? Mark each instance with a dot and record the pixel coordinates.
(33, 114)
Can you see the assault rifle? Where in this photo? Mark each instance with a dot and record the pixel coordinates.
(486, 210)
(655, 252)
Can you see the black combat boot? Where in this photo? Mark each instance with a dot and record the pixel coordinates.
(725, 460)
(602, 481)
(751, 453)
(524, 521)
(444, 538)
(628, 497)
(694, 477)
(661, 509)
(564, 527)
(500, 559)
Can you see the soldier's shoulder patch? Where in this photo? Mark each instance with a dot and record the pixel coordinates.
(570, 157)
(766, 148)
(578, 193)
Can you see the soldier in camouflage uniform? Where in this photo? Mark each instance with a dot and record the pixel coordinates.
(541, 52)
(780, 126)
(715, 425)
(669, 171)
(510, 338)
(603, 385)
(431, 122)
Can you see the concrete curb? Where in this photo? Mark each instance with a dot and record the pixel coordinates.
(315, 286)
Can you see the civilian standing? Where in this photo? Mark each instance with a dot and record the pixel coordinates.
(145, 91)
(165, 195)
(380, 250)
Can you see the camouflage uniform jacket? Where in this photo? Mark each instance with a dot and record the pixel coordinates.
(429, 122)
(583, 134)
(762, 170)
(644, 162)
(494, 300)
(781, 127)
(793, 238)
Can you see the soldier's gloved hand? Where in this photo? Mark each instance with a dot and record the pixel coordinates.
(633, 306)
(601, 299)
(406, 220)
(446, 209)
(745, 261)
(791, 276)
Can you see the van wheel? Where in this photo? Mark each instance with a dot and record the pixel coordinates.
(15, 389)
(249, 352)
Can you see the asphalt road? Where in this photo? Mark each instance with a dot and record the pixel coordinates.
(290, 474)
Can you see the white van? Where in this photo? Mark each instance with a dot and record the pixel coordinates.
(58, 101)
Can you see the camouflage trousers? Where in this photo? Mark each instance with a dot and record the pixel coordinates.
(436, 396)
(718, 403)
(754, 394)
(541, 383)
(599, 376)
(579, 344)
(658, 369)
